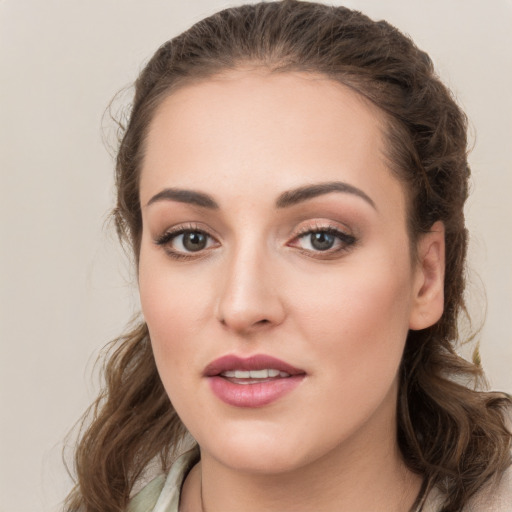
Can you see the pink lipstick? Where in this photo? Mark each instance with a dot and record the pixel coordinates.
(252, 382)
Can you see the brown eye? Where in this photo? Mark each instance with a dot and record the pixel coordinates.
(184, 242)
(194, 240)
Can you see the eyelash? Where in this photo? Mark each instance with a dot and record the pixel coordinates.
(345, 240)
(166, 238)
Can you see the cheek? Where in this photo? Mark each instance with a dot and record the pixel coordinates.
(167, 301)
(356, 336)
(358, 321)
(172, 307)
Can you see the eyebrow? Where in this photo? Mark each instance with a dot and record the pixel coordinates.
(300, 194)
(185, 196)
(285, 200)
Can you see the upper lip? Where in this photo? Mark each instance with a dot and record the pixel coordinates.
(256, 362)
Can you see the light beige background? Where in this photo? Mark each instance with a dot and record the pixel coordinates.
(65, 288)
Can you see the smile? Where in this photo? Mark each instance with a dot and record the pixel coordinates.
(253, 375)
(251, 382)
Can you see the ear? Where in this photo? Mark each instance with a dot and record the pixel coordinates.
(428, 290)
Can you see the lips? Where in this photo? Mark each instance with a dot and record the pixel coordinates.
(254, 363)
(252, 382)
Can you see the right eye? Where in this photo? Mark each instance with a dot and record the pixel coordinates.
(183, 242)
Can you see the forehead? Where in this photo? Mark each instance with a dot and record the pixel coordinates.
(263, 132)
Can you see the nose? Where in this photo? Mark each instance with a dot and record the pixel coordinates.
(249, 298)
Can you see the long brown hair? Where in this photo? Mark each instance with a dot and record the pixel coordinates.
(453, 435)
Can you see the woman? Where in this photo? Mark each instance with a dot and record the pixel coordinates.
(292, 181)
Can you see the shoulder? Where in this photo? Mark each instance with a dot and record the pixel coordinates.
(145, 500)
(162, 494)
(494, 497)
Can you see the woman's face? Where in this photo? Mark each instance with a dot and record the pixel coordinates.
(275, 269)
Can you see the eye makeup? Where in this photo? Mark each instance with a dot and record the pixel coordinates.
(316, 239)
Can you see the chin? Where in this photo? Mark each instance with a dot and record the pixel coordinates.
(256, 451)
(261, 461)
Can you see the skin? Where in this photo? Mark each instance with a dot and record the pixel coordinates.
(260, 287)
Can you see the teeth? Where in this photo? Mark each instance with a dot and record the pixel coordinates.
(254, 374)
(259, 374)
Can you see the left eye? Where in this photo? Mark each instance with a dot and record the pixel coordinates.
(324, 240)
(320, 241)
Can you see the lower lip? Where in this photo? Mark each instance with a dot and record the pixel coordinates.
(253, 395)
